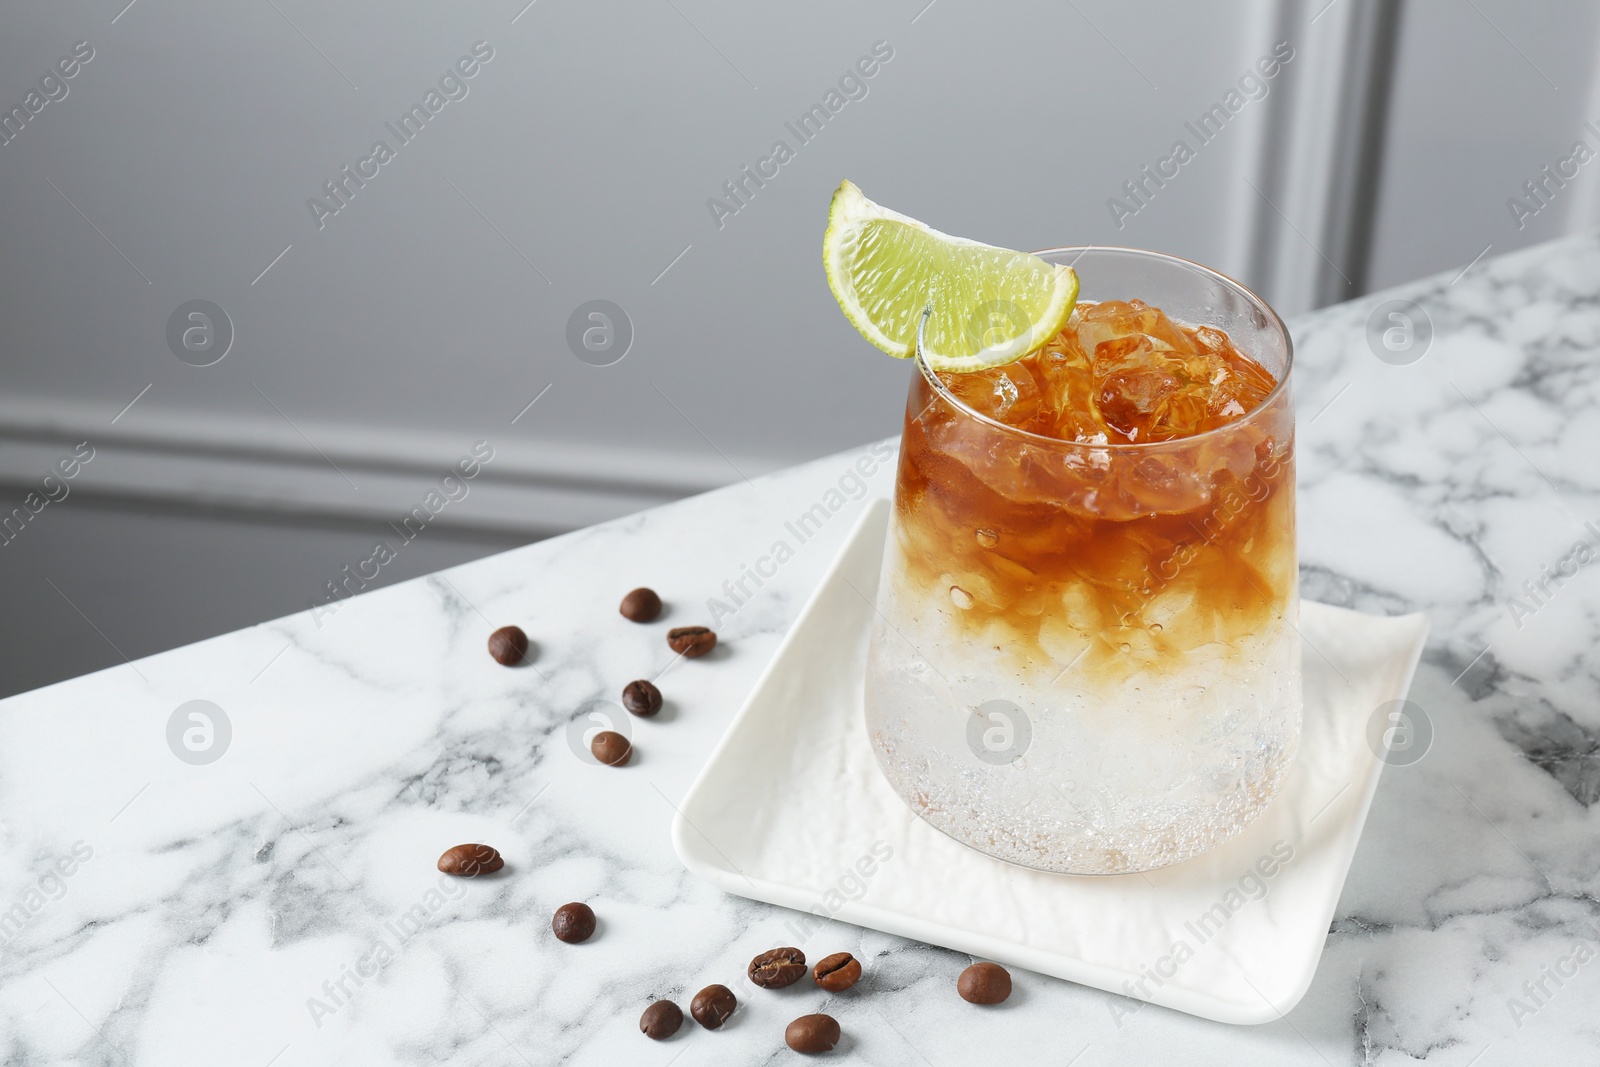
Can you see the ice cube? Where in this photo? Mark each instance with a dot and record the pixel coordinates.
(1156, 380)
(1008, 394)
(1120, 372)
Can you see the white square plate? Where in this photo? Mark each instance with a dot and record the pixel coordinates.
(792, 809)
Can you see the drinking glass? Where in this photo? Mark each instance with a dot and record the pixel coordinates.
(1085, 656)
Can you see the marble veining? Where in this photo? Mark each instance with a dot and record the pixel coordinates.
(280, 906)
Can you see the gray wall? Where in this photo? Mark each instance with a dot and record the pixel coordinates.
(1484, 96)
(427, 313)
(590, 144)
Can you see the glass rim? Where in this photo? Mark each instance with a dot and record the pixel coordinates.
(943, 392)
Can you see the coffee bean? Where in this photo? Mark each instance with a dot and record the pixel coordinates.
(573, 923)
(984, 983)
(641, 605)
(642, 698)
(778, 968)
(469, 861)
(661, 1020)
(611, 748)
(691, 641)
(837, 972)
(812, 1033)
(712, 1006)
(508, 645)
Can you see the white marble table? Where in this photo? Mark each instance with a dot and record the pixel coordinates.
(210, 909)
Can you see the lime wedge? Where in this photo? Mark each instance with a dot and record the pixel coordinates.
(990, 306)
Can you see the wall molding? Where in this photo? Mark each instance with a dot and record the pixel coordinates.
(1317, 163)
(324, 471)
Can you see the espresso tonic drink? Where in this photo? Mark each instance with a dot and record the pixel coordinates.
(1085, 657)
